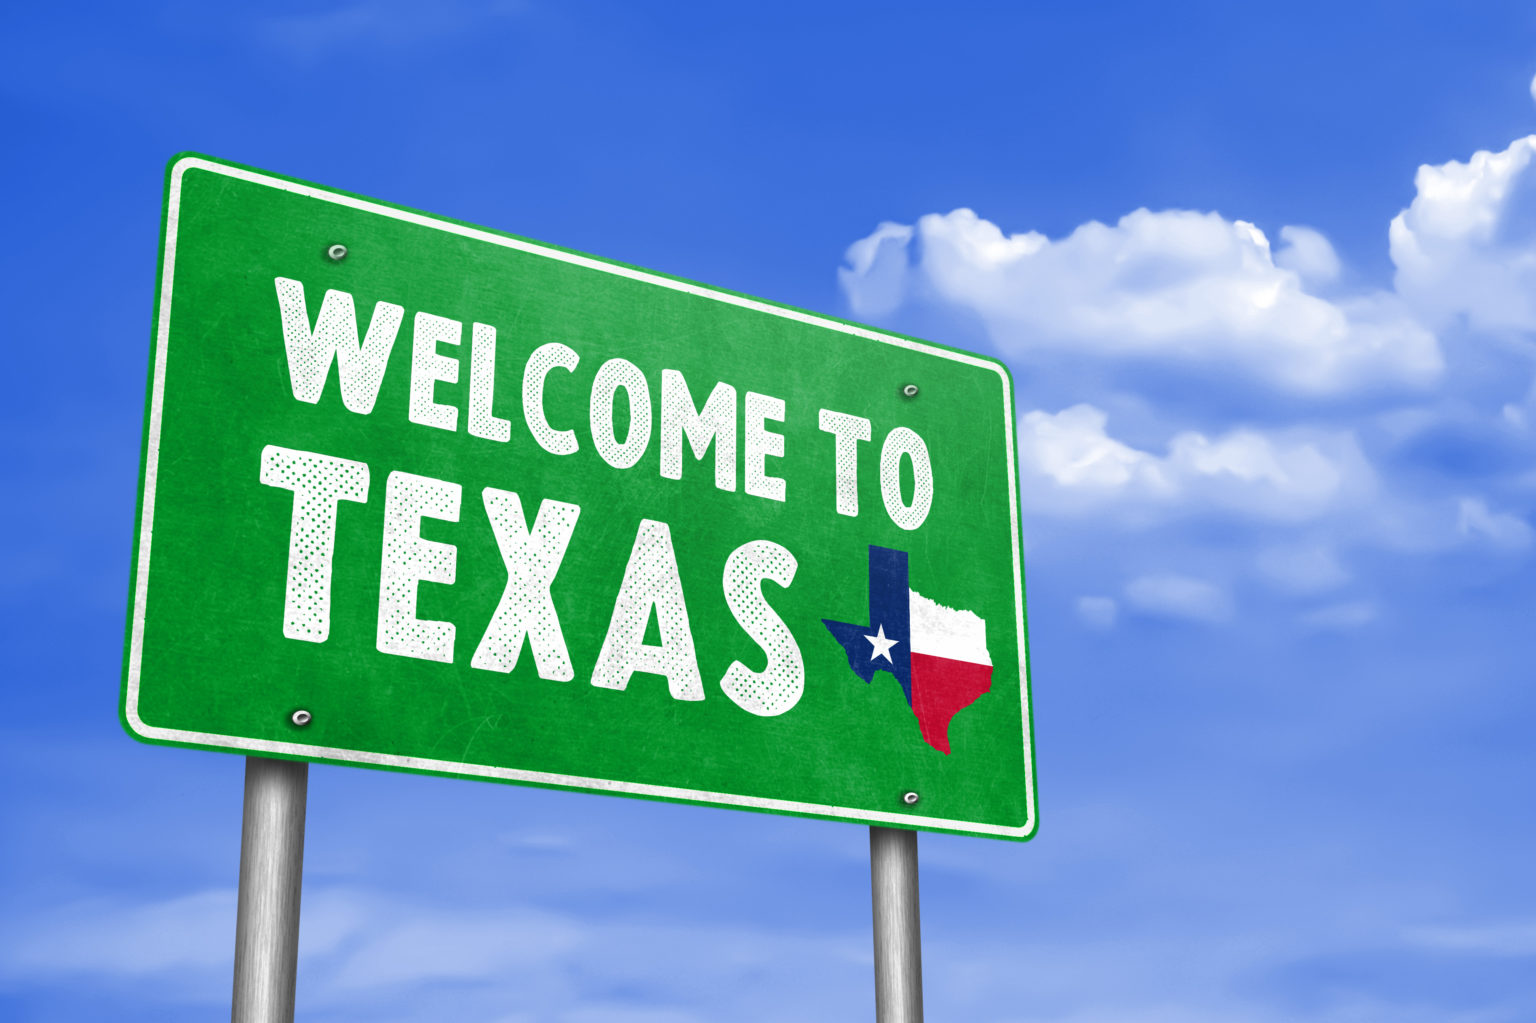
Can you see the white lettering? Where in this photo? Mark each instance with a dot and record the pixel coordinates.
(715, 423)
(651, 581)
(482, 386)
(526, 608)
(847, 431)
(779, 685)
(760, 445)
(902, 441)
(409, 559)
(428, 367)
(545, 358)
(360, 370)
(611, 376)
(319, 483)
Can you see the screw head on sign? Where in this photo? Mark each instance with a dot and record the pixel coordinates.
(910, 390)
(336, 253)
(910, 798)
(301, 717)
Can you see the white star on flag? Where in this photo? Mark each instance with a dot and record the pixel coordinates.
(882, 645)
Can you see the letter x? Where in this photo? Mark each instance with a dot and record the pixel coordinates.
(526, 608)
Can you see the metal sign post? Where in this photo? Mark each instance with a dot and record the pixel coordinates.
(271, 874)
(898, 930)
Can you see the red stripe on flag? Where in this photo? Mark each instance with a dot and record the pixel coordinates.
(941, 688)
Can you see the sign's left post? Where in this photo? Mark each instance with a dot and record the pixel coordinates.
(271, 877)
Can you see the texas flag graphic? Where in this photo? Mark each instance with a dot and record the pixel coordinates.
(937, 653)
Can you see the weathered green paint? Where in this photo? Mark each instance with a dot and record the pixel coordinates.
(207, 663)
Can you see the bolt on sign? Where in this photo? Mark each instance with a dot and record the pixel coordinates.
(424, 496)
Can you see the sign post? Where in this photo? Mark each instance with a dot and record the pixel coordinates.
(898, 929)
(421, 496)
(271, 875)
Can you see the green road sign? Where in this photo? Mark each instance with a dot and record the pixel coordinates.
(424, 496)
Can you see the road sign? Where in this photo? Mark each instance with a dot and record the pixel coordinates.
(424, 496)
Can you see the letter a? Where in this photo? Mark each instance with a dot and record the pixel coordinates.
(650, 581)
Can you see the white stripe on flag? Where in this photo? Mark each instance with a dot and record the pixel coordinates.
(941, 631)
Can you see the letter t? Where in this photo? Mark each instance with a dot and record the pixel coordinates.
(319, 484)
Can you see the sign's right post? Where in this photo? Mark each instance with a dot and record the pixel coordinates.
(898, 930)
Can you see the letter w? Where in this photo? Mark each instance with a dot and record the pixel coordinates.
(526, 608)
(359, 367)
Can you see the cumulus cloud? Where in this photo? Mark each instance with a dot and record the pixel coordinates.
(1466, 245)
(1177, 287)
(1179, 597)
(1212, 348)
(1070, 462)
(1071, 466)
(1309, 255)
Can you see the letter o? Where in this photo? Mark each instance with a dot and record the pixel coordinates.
(902, 441)
(612, 375)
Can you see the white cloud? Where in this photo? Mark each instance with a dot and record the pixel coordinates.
(1180, 597)
(1474, 519)
(419, 946)
(1170, 306)
(1516, 940)
(1301, 568)
(537, 842)
(1342, 616)
(1309, 254)
(123, 938)
(1466, 245)
(619, 1013)
(875, 279)
(365, 954)
(1098, 612)
(378, 23)
(1178, 287)
(1071, 463)
(189, 935)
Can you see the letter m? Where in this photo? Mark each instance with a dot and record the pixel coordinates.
(360, 367)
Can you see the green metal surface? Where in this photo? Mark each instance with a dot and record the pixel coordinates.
(207, 662)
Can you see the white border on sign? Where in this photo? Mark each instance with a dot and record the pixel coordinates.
(258, 746)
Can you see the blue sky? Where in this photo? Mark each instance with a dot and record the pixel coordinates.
(1265, 281)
